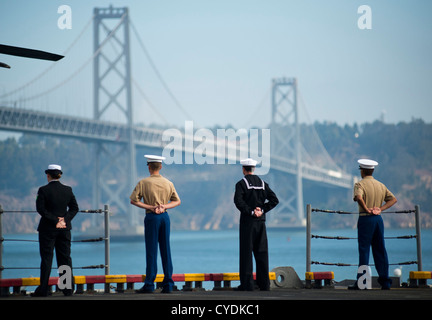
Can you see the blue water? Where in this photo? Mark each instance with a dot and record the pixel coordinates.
(218, 251)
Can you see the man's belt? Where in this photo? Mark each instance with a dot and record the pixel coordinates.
(364, 214)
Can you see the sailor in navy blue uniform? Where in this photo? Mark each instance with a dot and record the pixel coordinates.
(254, 199)
(57, 206)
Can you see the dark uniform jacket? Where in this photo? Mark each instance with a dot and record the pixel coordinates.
(55, 200)
(252, 192)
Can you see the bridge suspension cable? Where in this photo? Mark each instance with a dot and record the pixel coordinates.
(51, 66)
(158, 74)
(76, 72)
(319, 147)
(258, 108)
(150, 104)
(58, 85)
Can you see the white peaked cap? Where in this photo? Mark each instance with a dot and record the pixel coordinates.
(54, 167)
(152, 158)
(367, 164)
(248, 162)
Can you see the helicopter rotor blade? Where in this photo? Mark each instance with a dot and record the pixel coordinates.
(4, 65)
(29, 53)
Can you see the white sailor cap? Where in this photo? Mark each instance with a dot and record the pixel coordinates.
(248, 162)
(152, 158)
(54, 167)
(367, 164)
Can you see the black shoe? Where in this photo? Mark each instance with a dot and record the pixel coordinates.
(144, 290)
(166, 290)
(39, 294)
(240, 288)
(67, 292)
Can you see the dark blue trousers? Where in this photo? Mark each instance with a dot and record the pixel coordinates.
(60, 240)
(157, 231)
(371, 233)
(253, 240)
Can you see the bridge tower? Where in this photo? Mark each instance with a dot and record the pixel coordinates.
(115, 165)
(285, 142)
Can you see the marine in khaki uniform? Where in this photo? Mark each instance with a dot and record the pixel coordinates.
(372, 197)
(156, 194)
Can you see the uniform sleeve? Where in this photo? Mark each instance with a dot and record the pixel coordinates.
(72, 208)
(272, 200)
(174, 194)
(239, 198)
(358, 191)
(41, 208)
(136, 194)
(388, 196)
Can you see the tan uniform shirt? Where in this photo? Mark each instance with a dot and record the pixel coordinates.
(373, 192)
(154, 190)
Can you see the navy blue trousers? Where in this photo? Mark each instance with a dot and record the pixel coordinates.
(253, 240)
(371, 233)
(157, 231)
(60, 240)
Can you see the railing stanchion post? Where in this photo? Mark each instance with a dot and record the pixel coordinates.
(1, 242)
(308, 238)
(418, 239)
(107, 245)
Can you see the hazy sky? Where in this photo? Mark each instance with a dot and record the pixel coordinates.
(219, 57)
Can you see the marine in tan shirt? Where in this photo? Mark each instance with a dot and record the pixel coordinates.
(370, 193)
(155, 191)
(157, 194)
(372, 197)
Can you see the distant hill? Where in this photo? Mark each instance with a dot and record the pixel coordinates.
(403, 150)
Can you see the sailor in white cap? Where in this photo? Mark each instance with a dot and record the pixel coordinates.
(156, 194)
(372, 197)
(254, 199)
(57, 206)
(248, 162)
(54, 168)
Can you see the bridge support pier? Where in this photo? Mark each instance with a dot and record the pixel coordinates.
(115, 166)
(285, 143)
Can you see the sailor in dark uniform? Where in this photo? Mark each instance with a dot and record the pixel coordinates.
(254, 199)
(57, 206)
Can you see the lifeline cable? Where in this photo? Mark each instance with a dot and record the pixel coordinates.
(347, 238)
(29, 240)
(96, 266)
(348, 212)
(339, 264)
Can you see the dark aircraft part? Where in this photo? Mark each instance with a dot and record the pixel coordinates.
(29, 53)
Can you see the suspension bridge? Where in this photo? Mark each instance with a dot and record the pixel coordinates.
(29, 109)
